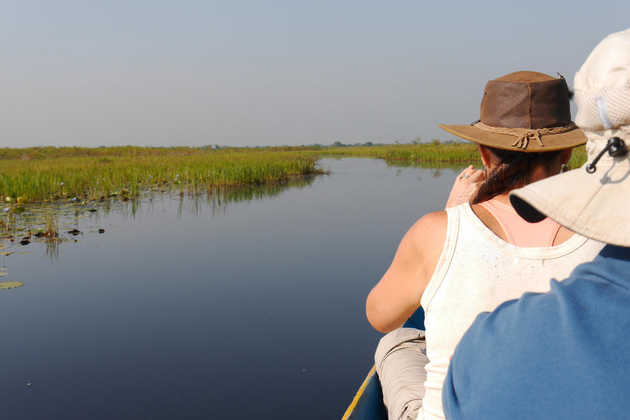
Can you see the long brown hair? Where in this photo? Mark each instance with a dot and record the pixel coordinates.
(513, 171)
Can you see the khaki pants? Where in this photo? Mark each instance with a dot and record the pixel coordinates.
(400, 358)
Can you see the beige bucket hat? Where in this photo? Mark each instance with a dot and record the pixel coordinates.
(593, 200)
(524, 111)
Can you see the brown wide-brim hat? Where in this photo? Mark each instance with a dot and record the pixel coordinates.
(524, 111)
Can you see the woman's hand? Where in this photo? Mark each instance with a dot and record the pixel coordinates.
(465, 187)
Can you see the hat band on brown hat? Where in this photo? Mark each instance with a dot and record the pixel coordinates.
(525, 135)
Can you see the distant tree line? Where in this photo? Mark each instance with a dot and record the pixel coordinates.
(417, 140)
(337, 143)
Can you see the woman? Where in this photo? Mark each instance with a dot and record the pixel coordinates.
(472, 257)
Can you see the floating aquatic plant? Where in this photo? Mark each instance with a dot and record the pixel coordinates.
(5, 285)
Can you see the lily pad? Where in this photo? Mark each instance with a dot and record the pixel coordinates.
(10, 284)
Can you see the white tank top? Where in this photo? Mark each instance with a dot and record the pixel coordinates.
(476, 272)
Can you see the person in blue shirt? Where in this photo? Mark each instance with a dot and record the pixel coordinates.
(565, 353)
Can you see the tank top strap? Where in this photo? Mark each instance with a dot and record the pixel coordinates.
(517, 230)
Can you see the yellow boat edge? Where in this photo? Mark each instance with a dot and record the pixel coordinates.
(358, 395)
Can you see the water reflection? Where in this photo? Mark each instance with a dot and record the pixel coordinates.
(4, 270)
(435, 172)
(53, 224)
(455, 166)
(219, 199)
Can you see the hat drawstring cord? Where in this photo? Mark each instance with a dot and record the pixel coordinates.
(615, 148)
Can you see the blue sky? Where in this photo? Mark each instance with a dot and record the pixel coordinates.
(263, 72)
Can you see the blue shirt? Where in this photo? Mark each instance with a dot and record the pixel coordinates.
(564, 354)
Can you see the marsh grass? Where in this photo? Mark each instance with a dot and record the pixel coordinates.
(86, 174)
(82, 174)
(429, 155)
(578, 158)
(426, 155)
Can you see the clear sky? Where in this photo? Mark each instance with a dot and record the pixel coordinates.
(261, 72)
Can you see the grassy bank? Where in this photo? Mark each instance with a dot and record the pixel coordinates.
(72, 173)
(426, 155)
(432, 155)
(90, 174)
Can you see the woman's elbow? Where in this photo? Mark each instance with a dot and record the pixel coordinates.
(378, 325)
(377, 317)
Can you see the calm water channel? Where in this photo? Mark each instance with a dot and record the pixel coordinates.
(194, 310)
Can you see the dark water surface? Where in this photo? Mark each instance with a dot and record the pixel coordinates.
(186, 310)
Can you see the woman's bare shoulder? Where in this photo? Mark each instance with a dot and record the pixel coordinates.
(429, 229)
(428, 235)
